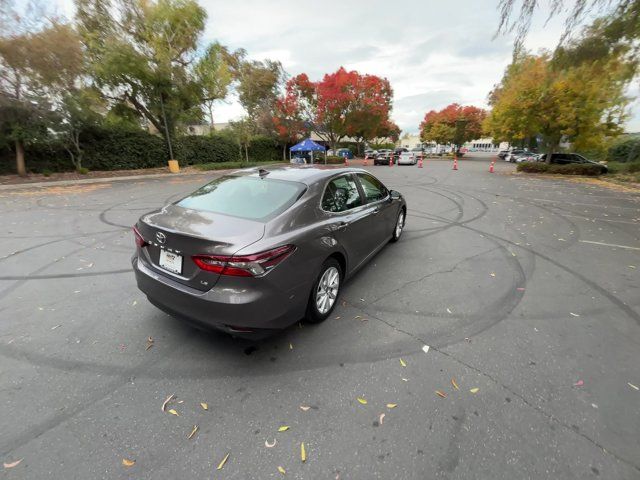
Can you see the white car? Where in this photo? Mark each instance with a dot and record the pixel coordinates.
(407, 158)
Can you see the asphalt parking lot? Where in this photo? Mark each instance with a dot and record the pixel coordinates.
(526, 291)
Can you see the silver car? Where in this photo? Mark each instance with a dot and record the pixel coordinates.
(260, 249)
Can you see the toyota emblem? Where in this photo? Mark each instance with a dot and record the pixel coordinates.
(161, 237)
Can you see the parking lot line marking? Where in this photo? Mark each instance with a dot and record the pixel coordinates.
(610, 245)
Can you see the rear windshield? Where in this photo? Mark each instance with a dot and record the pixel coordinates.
(245, 197)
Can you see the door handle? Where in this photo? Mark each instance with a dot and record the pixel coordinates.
(340, 226)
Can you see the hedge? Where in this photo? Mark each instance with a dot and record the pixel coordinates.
(627, 150)
(569, 169)
(117, 149)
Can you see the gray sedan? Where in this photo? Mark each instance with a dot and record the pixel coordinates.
(260, 249)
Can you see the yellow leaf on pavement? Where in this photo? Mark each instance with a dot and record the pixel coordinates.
(224, 460)
(173, 412)
(128, 463)
(403, 363)
(303, 453)
(392, 405)
(474, 390)
(193, 432)
(304, 408)
(441, 394)
(283, 428)
(282, 470)
(362, 401)
(204, 406)
(13, 464)
(169, 398)
(455, 385)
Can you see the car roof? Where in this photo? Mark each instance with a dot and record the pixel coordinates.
(307, 174)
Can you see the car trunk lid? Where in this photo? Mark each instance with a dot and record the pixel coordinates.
(174, 234)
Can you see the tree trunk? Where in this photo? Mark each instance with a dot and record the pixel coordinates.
(246, 152)
(20, 165)
(284, 152)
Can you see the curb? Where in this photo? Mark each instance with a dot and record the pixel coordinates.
(84, 181)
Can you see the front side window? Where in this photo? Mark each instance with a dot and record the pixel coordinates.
(373, 188)
(341, 194)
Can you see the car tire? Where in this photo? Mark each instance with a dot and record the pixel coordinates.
(316, 311)
(397, 231)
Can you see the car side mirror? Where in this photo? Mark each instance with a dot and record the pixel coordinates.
(393, 195)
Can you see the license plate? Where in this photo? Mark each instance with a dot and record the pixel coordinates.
(171, 261)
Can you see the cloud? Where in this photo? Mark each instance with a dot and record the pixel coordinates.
(432, 52)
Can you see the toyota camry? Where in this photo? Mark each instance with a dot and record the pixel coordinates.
(259, 249)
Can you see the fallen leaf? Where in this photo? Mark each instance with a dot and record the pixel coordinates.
(455, 385)
(425, 348)
(134, 303)
(57, 326)
(270, 445)
(381, 418)
(128, 463)
(173, 412)
(362, 401)
(149, 343)
(392, 405)
(405, 379)
(303, 453)
(492, 274)
(403, 363)
(357, 317)
(282, 470)
(169, 398)
(441, 394)
(448, 311)
(193, 432)
(290, 346)
(283, 428)
(594, 405)
(474, 390)
(224, 460)
(579, 383)
(337, 318)
(304, 408)
(633, 386)
(574, 314)
(12, 464)
(632, 266)
(520, 289)
(204, 406)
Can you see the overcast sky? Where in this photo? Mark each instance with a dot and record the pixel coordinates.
(433, 52)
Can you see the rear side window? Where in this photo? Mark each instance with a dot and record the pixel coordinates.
(373, 188)
(341, 194)
(246, 197)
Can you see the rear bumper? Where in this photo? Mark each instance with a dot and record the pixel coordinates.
(253, 311)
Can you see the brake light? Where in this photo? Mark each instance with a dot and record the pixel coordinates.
(255, 265)
(140, 241)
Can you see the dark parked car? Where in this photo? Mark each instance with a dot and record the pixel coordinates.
(382, 158)
(567, 158)
(258, 250)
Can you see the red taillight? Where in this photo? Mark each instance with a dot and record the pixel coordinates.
(140, 241)
(255, 265)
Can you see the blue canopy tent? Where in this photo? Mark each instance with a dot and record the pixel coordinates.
(307, 145)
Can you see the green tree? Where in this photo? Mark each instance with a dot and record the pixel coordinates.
(34, 65)
(214, 72)
(143, 53)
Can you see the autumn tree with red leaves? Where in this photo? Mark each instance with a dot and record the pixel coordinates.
(342, 104)
(453, 124)
(287, 121)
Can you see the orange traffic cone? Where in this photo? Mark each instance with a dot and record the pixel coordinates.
(455, 163)
(491, 168)
(420, 163)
